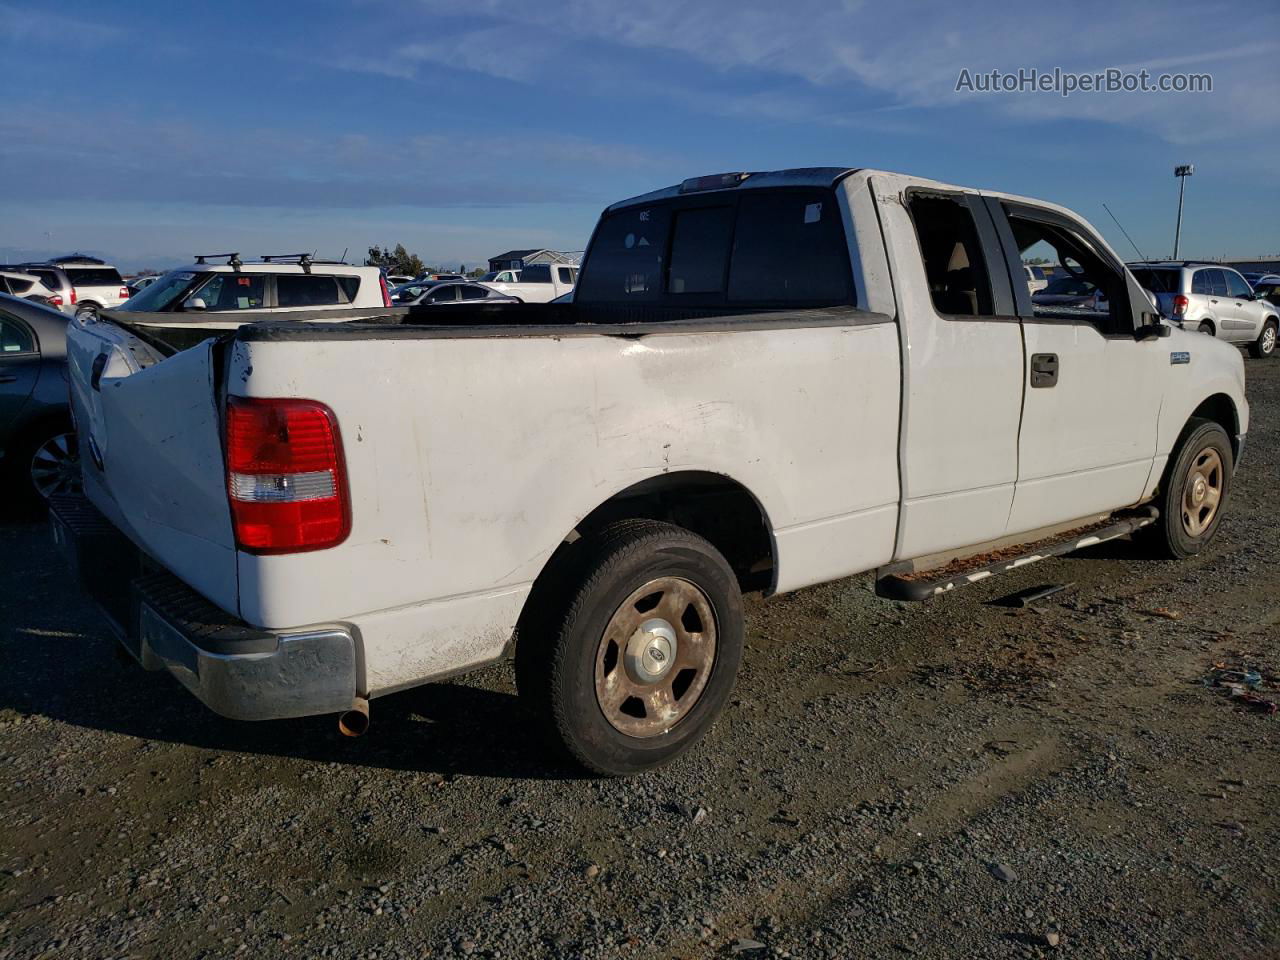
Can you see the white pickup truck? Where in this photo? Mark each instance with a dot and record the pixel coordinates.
(536, 282)
(764, 381)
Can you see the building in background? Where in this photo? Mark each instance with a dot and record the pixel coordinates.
(515, 259)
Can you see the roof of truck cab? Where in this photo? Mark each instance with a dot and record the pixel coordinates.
(797, 177)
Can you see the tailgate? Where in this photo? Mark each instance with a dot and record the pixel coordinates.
(151, 450)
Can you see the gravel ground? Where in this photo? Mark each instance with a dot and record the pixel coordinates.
(949, 779)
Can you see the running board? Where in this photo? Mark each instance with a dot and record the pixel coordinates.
(895, 586)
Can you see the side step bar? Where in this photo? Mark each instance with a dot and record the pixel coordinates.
(893, 585)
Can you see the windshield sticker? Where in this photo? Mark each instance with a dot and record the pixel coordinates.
(812, 212)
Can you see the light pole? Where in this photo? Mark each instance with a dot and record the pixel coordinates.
(1182, 171)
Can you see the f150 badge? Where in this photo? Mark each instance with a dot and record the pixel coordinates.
(1180, 356)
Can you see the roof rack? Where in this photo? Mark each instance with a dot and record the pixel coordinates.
(301, 259)
(233, 259)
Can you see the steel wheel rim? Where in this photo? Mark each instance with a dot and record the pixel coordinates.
(655, 657)
(55, 466)
(1202, 494)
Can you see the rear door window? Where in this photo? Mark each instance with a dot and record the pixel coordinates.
(473, 292)
(954, 266)
(1217, 283)
(1201, 283)
(306, 290)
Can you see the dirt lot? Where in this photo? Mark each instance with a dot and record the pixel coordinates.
(949, 779)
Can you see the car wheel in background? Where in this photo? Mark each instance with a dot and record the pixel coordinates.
(1265, 345)
(1206, 328)
(1194, 492)
(637, 651)
(45, 463)
(86, 313)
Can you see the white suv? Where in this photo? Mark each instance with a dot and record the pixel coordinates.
(223, 295)
(1213, 299)
(96, 285)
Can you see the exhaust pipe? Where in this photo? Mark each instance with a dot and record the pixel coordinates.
(355, 722)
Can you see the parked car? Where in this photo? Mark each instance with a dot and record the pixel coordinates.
(138, 284)
(538, 282)
(27, 286)
(1069, 291)
(1213, 299)
(208, 296)
(395, 280)
(1269, 290)
(1036, 279)
(413, 290)
(95, 285)
(448, 292)
(1256, 278)
(442, 276)
(763, 381)
(500, 276)
(55, 278)
(38, 455)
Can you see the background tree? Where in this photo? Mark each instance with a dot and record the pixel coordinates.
(398, 261)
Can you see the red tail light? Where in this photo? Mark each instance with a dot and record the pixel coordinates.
(55, 300)
(1180, 304)
(73, 296)
(286, 477)
(124, 293)
(386, 294)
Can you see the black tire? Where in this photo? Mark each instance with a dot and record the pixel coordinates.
(87, 312)
(1265, 345)
(1206, 328)
(1171, 536)
(559, 649)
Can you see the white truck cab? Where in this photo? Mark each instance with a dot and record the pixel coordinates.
(763, 381)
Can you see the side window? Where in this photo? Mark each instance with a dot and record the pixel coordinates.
(1085, 286)
(1236, 285)
(1217, 283)
(1200, 282)
(953, 263)
(789, 247)
(472, 292)
(305, 290)
(233, 291)
(15, 338)
(699, 250)
(536, 273)
(566, 275)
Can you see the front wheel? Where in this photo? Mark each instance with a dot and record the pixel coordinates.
(1265, 345)
(1195, 491)
(641, 655)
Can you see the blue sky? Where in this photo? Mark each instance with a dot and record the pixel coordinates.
(150, 131)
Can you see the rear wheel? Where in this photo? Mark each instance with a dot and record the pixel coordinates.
(1195, 491)
(1265, 345)
(637, 655)
(1206, 328)
(86, 312)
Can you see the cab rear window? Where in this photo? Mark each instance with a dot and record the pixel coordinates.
(757, 248)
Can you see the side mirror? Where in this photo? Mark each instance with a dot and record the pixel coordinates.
(1152, 297)
(1153, 331)
(195, 303)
